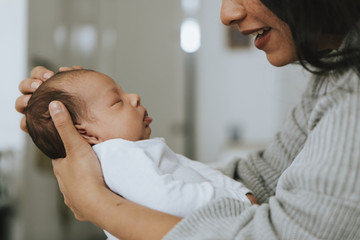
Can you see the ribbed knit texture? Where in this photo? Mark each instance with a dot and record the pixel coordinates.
(308, 180)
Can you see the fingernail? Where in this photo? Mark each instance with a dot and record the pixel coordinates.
(47, 75)
(55, 108)
(26, 99)
(35, 85)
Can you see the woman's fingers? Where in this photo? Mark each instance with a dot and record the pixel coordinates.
(41, 73)
(21, 103)
(77, 67)
(64, 69)
(23, 124)
(29, 85)
(72, 140)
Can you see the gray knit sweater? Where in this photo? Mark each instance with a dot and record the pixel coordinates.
(307, 181)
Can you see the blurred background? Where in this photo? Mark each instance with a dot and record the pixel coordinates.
(212, 95)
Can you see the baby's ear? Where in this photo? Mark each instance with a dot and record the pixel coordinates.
(92, 140)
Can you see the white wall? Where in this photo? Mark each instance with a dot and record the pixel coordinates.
(13, 44)
(238, 88)
(13, 64)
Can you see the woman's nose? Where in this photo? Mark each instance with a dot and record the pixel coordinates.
(134, 99)
(231, 11)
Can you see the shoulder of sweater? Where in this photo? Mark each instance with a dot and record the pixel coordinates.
(335, 92)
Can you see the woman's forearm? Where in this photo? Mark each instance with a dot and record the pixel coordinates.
(128, 220)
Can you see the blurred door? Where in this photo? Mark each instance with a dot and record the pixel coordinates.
(134, 42)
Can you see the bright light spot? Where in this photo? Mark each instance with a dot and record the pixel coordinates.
(190, 38)
(84, 39)
(190, 6)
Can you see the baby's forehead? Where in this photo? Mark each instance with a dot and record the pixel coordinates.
(93, 77)
(72, 80)
(84, 83)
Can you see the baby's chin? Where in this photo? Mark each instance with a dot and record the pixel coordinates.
(147, 137)
(147, 133)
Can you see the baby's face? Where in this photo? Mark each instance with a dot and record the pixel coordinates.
(113, 113)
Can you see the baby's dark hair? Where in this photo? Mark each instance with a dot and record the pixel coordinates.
(38, 120)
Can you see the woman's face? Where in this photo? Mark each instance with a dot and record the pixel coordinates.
(272, 35)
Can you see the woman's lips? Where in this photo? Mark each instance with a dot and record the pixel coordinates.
(261, 40)
(262, 35)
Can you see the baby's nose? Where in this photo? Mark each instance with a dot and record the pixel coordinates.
(135, 99)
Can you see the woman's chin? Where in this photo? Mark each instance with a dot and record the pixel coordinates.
(278, 62)
(280, 59)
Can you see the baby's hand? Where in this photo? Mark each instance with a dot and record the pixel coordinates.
(252, 198)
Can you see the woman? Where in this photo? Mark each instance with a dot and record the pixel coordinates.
(307, 181)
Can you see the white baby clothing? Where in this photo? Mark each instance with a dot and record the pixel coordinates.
(149, 173)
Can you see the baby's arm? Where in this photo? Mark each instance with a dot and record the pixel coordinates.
(132, 173)
(217, 178)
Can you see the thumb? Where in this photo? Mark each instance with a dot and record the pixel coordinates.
(66, 129)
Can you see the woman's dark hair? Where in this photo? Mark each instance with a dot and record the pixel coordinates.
(38, 120)
(314, 21)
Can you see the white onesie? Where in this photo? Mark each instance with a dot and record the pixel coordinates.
(149, 173)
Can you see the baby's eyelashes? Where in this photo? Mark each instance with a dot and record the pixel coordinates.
(116, 102)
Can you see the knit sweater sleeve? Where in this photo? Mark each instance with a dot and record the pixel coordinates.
(313, 192)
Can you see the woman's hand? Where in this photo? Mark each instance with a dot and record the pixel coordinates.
(28, 86)
(79, 175)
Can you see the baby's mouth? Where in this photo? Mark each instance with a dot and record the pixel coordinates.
(147, 120)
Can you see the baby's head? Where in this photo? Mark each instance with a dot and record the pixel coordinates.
(99, 108)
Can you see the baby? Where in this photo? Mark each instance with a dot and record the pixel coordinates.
(143, 170)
